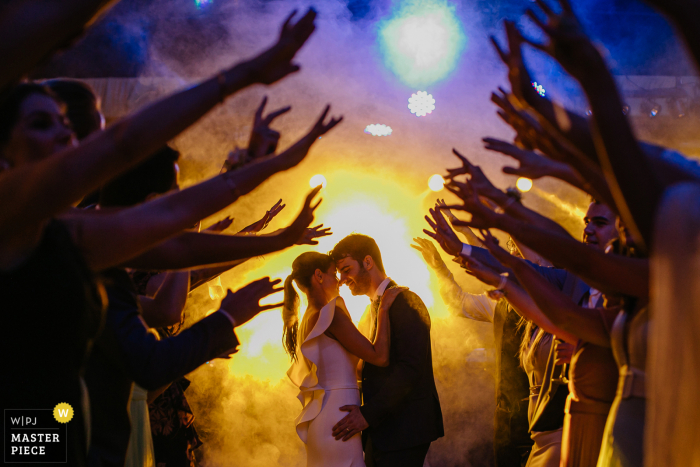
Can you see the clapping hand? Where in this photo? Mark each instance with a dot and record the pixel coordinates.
(243, 304)
(259, 225)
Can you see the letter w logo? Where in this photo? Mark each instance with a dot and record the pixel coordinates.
(62, 412)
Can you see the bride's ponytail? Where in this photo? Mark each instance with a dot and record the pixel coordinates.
(303, 269)
(290, 317)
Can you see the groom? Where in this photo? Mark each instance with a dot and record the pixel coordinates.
(401, 414)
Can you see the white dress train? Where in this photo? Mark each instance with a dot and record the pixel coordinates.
(325, 374)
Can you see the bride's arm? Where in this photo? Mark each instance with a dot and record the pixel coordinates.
(343, 329)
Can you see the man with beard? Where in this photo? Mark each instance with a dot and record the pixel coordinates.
(401, 414)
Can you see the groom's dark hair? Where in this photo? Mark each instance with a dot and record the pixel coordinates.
(357, 246)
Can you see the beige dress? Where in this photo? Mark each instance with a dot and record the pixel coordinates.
(593, 379)
(623, 440)
(546, 452)
(326, 376)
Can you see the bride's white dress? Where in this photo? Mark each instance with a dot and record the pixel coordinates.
(325, 374)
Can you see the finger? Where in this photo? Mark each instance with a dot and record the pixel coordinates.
(350, 434)
(500, 51)
(566, 6)
(431, 223)
(288, 20)
(272, 307)
(270, 117)
(547, 11)
(276, 205)
(311, 195)
(535, 19)
(454, 206)
(259, 112)
(464, 160)
(319, 122)
(313, 208)
(331, 124)
(512, 171)
(431, 235)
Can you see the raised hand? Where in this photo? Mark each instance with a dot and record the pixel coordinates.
(568, 44)
(312, 233)
(477, 178)
(259, 225)
(220, 226)
(482, 216)
(296, 231)
(298, 151)
(430, 253)
(244, 304)
(532, 165)
(276, 62)
(519, 77)
(263, 139)
(443, 233)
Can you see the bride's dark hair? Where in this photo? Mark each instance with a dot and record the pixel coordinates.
(303, 269)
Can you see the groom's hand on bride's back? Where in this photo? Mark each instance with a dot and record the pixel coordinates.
(353, 423)
(244, 304)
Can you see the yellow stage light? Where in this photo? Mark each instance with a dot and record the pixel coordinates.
(524, 184)
(317, 180)
(436, 182)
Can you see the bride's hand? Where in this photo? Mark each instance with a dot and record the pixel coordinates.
(389, 296)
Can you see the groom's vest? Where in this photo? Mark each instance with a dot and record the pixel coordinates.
(400, 401)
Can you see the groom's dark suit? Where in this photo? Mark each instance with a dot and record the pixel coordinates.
(400, 401)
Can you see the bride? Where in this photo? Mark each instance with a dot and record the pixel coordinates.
(325, 350)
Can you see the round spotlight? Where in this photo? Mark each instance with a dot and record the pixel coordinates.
(436, 182)
(378, 129)
(524, 184)
(317, 180)
(421, 103)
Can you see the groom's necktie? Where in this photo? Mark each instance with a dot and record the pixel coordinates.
(374, 309)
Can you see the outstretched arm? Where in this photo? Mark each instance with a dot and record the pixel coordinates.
(575, 321)
(192, 249)
(609, 273)
(43, 189)
(518, 298)
(131, 231)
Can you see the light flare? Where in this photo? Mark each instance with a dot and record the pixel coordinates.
(422, 41)
(436, 182)
(378, 129)
(317, 180)
(524, 184)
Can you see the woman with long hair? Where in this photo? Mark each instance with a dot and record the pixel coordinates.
(325, 349)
